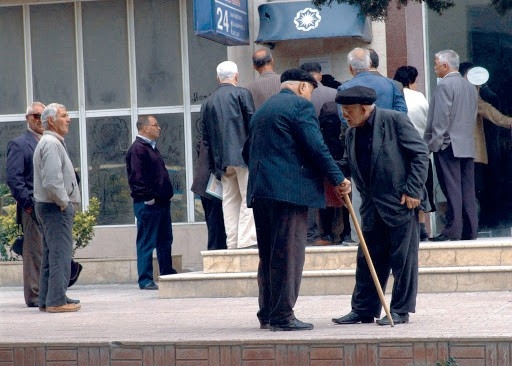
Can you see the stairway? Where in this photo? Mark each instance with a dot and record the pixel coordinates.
(478, 265)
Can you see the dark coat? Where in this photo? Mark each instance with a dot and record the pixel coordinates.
(20, 169)
(331, 129)
(399, 165)
(226, 115)
(201, 172)
(287, 156)
(147, 175)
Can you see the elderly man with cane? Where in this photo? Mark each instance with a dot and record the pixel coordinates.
(388, 161)
(288, 161)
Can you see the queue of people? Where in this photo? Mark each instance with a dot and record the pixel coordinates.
(370, 139)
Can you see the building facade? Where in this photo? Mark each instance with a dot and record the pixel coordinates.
(111, 60)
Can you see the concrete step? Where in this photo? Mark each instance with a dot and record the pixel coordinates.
(95, 271)
(334, 282)
(481, 252)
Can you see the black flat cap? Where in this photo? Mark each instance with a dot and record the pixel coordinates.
(356, 95)
(311, 67)
(298, 75)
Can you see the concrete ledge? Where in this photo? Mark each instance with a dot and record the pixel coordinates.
(481, 252)
(95, 271)
(333, 282)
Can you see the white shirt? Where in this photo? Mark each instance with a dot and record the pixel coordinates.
(417, 109)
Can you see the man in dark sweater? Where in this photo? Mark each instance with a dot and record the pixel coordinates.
(151, 192)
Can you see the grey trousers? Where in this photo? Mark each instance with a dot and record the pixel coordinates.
(57, 229)
(32, 254)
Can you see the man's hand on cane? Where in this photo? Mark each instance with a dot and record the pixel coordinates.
(344, 187)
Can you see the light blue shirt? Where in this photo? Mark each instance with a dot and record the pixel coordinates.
(388, 95)
(151, 142)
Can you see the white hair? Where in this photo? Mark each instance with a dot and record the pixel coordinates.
(30, 108)
(226, 70)
(50, 111)
(359, 59)
(449, 57)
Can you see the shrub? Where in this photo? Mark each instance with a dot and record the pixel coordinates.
(83, 227)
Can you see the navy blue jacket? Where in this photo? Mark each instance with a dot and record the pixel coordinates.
(286, 153)
(20, 169)
(147, 175)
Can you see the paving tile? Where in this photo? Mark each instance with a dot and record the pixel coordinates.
(121, 325)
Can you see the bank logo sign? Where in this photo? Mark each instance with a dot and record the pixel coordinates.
(307, 19)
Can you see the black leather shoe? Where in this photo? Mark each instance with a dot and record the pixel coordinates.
(264, 325)
(441, 237)
(150, 286)
(72, 301)
(294, 324)
(397, 319)
(353, 318)
(423, 233)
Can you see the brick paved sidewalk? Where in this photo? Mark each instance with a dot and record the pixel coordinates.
(123, 313)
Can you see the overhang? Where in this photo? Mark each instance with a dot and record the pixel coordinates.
(292, 20)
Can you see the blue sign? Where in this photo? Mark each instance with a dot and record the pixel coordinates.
(291, 20)
(223, 21)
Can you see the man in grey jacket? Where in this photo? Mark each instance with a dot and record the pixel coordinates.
(450, 136)
(57, 196)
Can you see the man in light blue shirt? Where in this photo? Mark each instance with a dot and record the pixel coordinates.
(388, 97)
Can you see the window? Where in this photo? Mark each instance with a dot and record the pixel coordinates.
(480, 35)
(105, 39)
(12, 72)
(92, 41)
(54, 54)
(158, 50)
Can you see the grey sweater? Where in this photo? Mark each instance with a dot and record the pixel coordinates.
(54, 175)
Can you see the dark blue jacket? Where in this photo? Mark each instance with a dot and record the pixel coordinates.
(388, 95)
(287, 156)
(147, 175)
(20, 169)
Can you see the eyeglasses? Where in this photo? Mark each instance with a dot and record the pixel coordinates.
(35, 115)
(155, 125)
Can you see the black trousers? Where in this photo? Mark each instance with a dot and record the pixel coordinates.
(214, 223)
(391, 249)
(457, 181)
(281, 229)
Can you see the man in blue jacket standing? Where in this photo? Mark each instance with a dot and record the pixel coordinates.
(151, 192)
(288, 161)
(388, 97)
(20, 179)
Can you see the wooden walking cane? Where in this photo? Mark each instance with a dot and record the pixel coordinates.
(368, 258)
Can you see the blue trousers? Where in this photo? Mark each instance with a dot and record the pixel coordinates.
(154, 231)
(57, 229)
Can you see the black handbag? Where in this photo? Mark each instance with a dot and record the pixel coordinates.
(17, 246)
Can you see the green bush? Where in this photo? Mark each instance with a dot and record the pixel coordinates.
(83, 227)
(8, 232)
(83, 224)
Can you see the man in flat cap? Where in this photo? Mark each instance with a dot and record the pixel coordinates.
(389, 164)
(330, 132)
(288, 161)
(388, 97)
